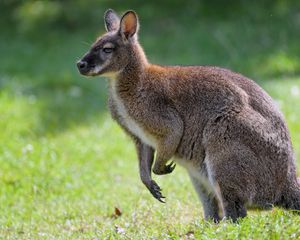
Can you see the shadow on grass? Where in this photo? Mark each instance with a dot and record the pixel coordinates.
(57, 108)
(69, 107)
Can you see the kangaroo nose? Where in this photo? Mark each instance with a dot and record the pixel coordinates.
(82, 65)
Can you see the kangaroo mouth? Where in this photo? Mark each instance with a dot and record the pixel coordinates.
(94, 71)
(88, 70)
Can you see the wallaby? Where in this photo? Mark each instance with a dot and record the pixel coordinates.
(221, 126)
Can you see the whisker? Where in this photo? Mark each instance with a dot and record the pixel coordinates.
(86, 43)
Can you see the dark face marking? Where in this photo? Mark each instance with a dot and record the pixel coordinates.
(98, 59)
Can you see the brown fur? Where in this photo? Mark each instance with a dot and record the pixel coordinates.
(220, 125)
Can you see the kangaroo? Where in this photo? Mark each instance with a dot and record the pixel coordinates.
(221, 126)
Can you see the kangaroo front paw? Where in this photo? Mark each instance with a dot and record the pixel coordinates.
(164, 169)
(156, 191)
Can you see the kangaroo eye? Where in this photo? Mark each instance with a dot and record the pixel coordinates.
(108, 50)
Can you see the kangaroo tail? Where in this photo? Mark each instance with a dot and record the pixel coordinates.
(291, 196)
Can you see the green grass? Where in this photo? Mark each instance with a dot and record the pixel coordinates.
(65, 165)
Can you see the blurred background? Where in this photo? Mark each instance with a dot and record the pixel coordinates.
(61, 155)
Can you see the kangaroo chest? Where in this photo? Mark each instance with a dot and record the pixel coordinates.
(126, 120)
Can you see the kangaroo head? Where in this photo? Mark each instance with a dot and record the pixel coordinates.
(112, 51)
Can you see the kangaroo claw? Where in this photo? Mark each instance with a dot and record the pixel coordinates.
(156, 191)
(165, 169)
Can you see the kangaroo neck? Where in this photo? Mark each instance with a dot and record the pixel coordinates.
(135, 68)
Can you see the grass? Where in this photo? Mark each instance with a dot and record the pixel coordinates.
(66, 166)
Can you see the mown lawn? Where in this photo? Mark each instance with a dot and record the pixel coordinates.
(65, 165)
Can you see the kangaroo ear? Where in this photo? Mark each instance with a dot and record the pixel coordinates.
(129, 24)
(111, 20)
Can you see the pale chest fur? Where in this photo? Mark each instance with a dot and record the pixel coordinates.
(128, 121)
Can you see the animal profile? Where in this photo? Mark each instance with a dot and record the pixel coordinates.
(221, 126)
